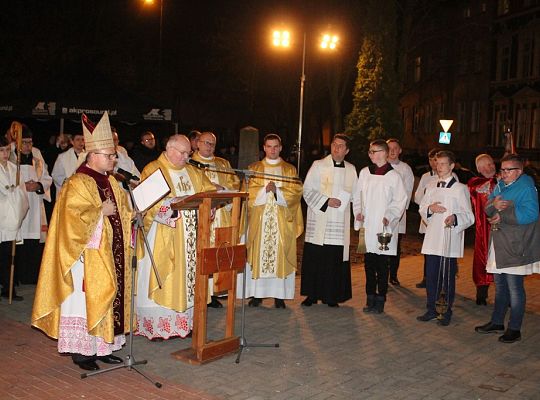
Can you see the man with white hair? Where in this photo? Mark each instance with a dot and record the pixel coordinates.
(223, 178)
(480, 188)
(514, 252)
(167, 312)
(407, 176)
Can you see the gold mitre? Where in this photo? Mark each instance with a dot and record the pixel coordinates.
(97, 137)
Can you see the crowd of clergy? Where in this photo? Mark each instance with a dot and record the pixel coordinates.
(79, 252)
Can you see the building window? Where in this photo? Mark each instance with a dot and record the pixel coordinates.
(415, 119)
(523, 127)
(499, 126)
(527, 57)
(505, 63)
(536, 129)
(461, 117)
(475, 116)
(503, 7)
(428, 118)
(478, 56)
(462, 60)
(417, 69)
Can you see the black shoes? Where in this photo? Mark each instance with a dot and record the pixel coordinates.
(426, 317)
(489, 328)
(308, 302)
(422, 284)
(215, 303)
(110, 359)
(279, 303)
(333, 305)
(254, 302)
(90, 365)
(14, 298)
(510, 336)
(370, 304)
(395, 282)
(445, 321)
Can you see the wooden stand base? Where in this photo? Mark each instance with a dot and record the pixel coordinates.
(209, 352)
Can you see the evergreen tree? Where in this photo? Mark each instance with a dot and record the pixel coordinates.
(375, 112)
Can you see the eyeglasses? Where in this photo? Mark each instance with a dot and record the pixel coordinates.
(111, 156)
(508, 169)
(374, 151)
(183, 153)
(206, 142)
(149, 140)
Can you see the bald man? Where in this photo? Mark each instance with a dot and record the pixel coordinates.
(168, 312)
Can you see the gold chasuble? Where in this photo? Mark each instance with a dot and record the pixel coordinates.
(174, 249)
(273, 228)
(74, 221)
(228, 180)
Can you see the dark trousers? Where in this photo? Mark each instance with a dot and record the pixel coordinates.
(440, 272)
(393, 261)
(28, 260)
(5, 265)
(376, 267)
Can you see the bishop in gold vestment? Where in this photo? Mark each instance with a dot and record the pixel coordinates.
(83, 292)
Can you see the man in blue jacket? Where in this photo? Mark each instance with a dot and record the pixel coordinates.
(512, 210)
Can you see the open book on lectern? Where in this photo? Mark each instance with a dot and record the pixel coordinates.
(151, 190)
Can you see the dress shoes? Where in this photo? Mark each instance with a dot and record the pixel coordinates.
(255, 302)
(444, 321)
(489, 328)
(110, 359)
(333, 305)
(426, 317)
(395, 282)
(422, 284)
(510, 336)
(215, 303)
(308, 302)
(279, 303)
(89, 365)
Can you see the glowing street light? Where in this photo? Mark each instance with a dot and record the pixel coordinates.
(282, 38)
(329, 41)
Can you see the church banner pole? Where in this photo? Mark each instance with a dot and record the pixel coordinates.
(16, 128)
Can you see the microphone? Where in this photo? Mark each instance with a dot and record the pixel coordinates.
(198, 164)
(127, 175)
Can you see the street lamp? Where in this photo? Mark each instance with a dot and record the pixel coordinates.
(282, 38)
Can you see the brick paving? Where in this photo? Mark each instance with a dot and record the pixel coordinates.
(324, 353)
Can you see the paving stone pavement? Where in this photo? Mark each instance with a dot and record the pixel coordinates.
(324, 353)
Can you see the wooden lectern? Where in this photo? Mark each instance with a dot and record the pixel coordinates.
(226, 258)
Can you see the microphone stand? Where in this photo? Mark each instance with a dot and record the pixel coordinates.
(246, 174)
(130, 361)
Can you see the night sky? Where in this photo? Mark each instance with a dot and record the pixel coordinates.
(218, 70)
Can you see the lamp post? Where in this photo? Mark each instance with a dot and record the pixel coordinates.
(151, 2)
(283, 39)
